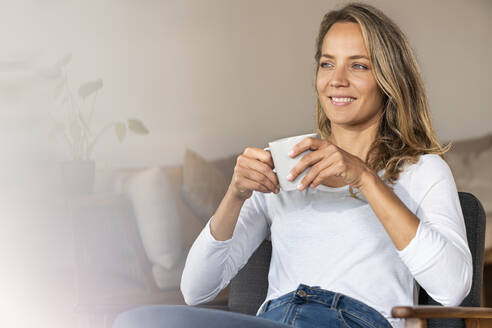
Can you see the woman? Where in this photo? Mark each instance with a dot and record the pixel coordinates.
(340, 261)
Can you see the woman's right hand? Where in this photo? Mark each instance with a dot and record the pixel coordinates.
(253, 171)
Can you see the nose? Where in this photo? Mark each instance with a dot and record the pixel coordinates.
(339, 78)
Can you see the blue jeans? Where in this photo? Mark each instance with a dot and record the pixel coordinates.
(308, 307)
(305, 307)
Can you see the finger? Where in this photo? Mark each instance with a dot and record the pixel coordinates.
(259, 172)
(243, 184)
(264, 169)
(316, 173)
(260, 154)
(253, 185)
(264, 156)
(327, 172)
(305, 162)
(308, 143)
(325, 152)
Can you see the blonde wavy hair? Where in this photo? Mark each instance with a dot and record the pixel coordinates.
(405, 130)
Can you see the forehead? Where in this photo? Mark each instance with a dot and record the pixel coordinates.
(344, 39)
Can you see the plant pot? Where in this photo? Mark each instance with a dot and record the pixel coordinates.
(78, 177)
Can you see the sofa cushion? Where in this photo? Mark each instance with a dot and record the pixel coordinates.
(114, 179)
(226, 165)
(169, 279)
(191, 224)
(469, 161)
(157, 217)
(204, 185)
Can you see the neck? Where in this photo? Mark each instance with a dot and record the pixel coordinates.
(354, 140)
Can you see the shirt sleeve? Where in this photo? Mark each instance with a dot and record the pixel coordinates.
(438, 256)
(211, 264)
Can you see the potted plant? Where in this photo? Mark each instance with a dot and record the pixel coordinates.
(73, 123)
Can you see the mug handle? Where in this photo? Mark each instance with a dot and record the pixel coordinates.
(268, 149)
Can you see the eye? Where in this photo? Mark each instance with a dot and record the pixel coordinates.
(325, 65)
(360, 67)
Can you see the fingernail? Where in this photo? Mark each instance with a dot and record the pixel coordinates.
(299, 186)
(291, 153)
(290, 176)
(277, 191)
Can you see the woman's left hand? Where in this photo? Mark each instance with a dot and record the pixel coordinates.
(327, 160)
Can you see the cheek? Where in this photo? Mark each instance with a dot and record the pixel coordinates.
(377, 98)
(371, 91)
(321, 83)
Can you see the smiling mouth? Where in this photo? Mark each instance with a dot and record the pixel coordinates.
(342, 101)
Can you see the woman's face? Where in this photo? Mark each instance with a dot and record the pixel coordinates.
(347, 88)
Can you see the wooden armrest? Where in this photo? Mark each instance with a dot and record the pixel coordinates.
(438, 311)
(487, 257)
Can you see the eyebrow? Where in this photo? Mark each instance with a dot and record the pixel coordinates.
(351, 57)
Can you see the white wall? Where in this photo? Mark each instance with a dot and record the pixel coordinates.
(216, 75)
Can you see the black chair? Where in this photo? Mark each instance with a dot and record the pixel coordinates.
(248, 288)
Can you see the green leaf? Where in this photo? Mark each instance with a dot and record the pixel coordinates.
(137, 126)
(90, 87)
(120, 130)
(63, 61)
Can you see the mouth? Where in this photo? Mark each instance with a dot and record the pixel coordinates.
(342, 100)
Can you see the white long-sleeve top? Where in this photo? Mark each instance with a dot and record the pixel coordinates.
(323, 237)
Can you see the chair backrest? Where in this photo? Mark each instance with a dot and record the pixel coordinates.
(249, 287)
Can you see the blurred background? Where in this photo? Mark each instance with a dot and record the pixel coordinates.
(121, 87)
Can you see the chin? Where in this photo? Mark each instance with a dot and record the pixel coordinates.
(339, 118)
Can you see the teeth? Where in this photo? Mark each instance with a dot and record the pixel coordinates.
(342, 99)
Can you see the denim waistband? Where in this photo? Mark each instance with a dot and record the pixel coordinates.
(305, 294)
(300, 295)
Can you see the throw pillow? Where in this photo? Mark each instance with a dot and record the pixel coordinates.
(168, 279)
(469, 161)
(157, 217)
(204, 185)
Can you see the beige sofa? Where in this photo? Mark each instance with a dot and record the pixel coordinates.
(470, 161)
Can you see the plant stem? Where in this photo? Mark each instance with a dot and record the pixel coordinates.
(93, 143)
(82, 144)
(84, 124)
(92, 109)
(75, 106)
(65, 135)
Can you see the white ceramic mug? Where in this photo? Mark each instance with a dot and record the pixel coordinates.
(284, 163)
